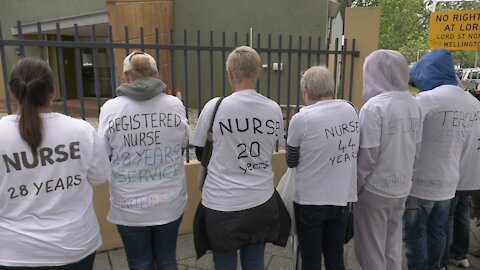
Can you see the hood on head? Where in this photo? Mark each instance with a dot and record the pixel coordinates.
(384, 71)
(142, 89)
(433, 70)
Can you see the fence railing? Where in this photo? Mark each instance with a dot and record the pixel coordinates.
(191, 62)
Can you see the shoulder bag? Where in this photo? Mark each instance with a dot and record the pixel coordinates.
(207, 150)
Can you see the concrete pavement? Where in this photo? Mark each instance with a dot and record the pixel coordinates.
(276, 258)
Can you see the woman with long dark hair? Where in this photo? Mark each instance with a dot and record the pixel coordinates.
(49, 162)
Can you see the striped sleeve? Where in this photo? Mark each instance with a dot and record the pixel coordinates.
(292, 156)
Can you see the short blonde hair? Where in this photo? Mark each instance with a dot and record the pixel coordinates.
(139, 64)
(245, 64)
(318, 82)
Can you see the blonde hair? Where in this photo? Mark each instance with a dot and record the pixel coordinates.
(318, 82)
(140, 67)
(245, 64)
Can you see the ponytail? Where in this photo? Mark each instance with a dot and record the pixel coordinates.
(31, 82)
(30, 123)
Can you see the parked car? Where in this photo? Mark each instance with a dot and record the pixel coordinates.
(471, 79)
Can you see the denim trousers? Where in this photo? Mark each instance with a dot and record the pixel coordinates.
(424, 224)
(457, 229)
(251, 258)
(150, 246)
(321, 231)
(84, 264)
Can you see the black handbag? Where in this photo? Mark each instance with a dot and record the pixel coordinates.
(207, 150)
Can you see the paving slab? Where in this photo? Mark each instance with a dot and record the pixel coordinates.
(118, 259)
(280, 263)
(102, 262)
(185, 247)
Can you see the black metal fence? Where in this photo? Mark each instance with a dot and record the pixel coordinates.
(193, 62)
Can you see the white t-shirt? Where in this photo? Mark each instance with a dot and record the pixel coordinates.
(46, 211)
(328, 136)
(246, 128)
(436, 172)
(391, 122)
(469, 166)
(145, 141)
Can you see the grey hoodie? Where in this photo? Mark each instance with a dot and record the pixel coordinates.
(384, 71)
(142, 89)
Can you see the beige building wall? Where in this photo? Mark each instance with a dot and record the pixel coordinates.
(111, 238)
(362, 24)
(149, 14)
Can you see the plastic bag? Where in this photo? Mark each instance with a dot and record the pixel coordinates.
(286, 189)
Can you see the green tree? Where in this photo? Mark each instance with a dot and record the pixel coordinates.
(405, 24)
(457, 5)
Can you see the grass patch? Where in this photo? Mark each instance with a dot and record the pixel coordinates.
(413, 90)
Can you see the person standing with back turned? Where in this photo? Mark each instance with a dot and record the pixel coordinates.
(436, 172)
(49, 164)
(458, 223)
(390, 136)
(322, 144)
(144, 131)
(240, 209)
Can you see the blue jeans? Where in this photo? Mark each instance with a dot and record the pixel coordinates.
(424, 232)
(321, 231)
(151, 245)
(84, 264)
(457, 229)
(251, 257)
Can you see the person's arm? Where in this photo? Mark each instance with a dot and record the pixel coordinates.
(203, 124)
(102, 131)
(370, 124)
(292, 156)
(294, 138)
(99, 172)
(366, 161)
(184, 122)
(419, 134)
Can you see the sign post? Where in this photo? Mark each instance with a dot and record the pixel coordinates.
(455, 30)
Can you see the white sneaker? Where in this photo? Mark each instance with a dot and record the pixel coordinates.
(461, 263)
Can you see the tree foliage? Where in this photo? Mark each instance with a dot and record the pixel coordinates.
(405, 24)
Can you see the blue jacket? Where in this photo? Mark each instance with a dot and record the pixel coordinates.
(433, 70)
